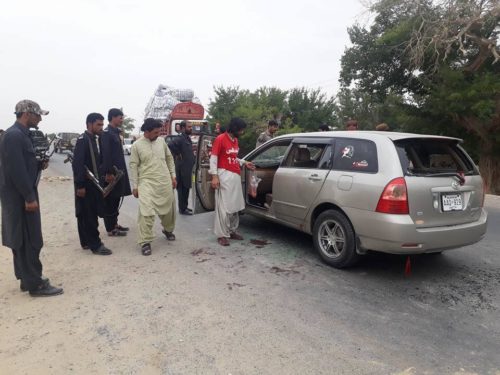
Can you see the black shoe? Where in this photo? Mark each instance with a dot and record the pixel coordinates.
(117, 233)
(45, 280)
(46, 290)
(146, 249)
(102, 250)
(170, 236)
(86, 247)
(123, 229)
(187, 211)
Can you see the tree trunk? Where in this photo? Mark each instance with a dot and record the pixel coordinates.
(489, 165)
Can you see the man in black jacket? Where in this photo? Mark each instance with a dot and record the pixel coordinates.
(21, 221)
(182, 150)
(89, 202)
(112, 156)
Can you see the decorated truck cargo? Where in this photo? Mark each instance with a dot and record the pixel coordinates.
(172, 106)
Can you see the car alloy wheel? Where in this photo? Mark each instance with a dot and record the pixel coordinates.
(334, 239)
(331, 238)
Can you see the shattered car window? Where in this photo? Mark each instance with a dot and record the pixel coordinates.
(425, 156)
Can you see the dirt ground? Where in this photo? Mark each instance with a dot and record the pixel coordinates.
(171, 313)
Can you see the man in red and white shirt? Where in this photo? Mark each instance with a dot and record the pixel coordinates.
(225, 170)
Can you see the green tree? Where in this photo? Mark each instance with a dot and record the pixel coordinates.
(128, 126)
(439, 58)
(296, 110)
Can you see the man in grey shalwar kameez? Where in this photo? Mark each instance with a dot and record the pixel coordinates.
(21, 222)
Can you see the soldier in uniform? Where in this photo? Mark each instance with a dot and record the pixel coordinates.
(21, 221)
(182, 150)
(112, 156)
(272, 128)
(89, 201)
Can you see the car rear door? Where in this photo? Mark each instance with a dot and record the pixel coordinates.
(444, 186)
(300, 178)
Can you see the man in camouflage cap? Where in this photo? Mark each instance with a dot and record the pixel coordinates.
(29, 106)
(21, 222)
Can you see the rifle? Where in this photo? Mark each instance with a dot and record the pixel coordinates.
(105, 191)
(41, 146)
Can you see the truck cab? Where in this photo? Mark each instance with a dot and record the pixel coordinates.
(186, 111)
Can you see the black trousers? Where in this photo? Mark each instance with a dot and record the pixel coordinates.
(88, 222)
(182, 195)
(27, 265)
(111, 206)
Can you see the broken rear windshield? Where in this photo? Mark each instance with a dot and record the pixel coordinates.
(433, 157)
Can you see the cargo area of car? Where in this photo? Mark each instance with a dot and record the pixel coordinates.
(444, 186)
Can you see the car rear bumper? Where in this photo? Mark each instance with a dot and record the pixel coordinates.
(398, 234)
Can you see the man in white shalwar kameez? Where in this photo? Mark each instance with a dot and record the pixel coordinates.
(226, 180)
(153, 179)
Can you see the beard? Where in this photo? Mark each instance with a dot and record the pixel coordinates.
(188, 132)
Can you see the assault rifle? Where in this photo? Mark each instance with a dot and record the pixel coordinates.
(105, 191)
(41, 146)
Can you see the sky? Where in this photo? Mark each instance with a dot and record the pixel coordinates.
(81, 56)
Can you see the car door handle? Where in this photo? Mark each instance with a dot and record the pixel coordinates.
(315, 177)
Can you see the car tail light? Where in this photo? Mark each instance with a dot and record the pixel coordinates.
(394, 198)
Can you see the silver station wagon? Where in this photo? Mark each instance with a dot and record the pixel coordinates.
(355, 191)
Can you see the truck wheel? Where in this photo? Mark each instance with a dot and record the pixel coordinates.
(334, 239)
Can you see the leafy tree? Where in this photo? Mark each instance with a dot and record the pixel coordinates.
(438, 59)
(128, 126)
(296, 110)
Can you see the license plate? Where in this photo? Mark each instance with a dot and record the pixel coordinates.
(452, 202)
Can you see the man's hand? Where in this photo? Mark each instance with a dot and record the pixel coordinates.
(250, 165)
(215, 182)
(135, 193)
(31, 206)
(45, 164)
(109, 178)
(81, 192)
(174, 182)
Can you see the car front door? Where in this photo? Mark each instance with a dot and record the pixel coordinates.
(300, 178)
(203, 194)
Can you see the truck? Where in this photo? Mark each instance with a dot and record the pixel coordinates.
(65, 141)
(186, 111)
(171, 106)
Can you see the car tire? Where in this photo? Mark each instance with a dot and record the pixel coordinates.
(334, 239)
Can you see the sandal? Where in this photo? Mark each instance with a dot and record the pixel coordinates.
(236, 236)
(146, 249)
(170, 236)
(223, 241)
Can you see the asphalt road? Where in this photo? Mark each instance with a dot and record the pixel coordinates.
(443, 318)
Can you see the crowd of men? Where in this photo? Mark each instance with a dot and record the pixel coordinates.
(101, 182)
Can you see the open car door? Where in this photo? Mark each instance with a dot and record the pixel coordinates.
(204, 195)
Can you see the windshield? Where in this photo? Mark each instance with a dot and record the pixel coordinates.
(433, 157)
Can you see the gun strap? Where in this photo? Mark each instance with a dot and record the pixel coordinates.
(92, 156)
